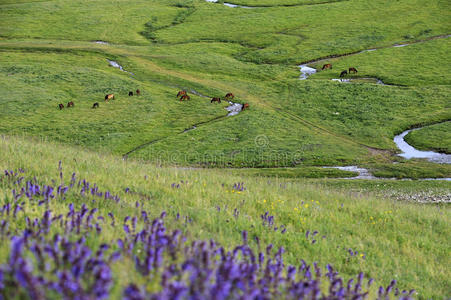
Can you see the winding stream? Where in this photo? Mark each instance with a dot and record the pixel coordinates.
(116, 65)
(234, 109)
(361, 79)
(362, 173)
(230, 4)
(306, 71)
(409, 152)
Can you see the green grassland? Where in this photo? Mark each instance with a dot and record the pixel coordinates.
(213, 49)
(269, 3)
(277, 147)
(400, 240)
(397, 65)
(434, 137)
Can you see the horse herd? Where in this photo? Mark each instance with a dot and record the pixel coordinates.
(343, 73)
(184, 96)
(108, 97)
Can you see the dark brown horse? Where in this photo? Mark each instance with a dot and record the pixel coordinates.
(353, 70)
(229, 95)
(138, 92)
(344, 73)
(181, 93)
(108, 97)
(327, 66)
(70, 104)
(245, 106)
(130, 93)
(215, 100)
(60, 106)
(185, 97)
(95, 105)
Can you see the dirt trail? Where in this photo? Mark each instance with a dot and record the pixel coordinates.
(195, 126)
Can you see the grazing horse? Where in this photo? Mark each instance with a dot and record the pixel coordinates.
(70, 104)
(181, 93)
(130, 93)
(60, 106)
(138, 92)
(95, 105)
(108, 97)
(327, 66)
(215, 100)
(344, 73)
(229, 95)
(185, 97)
(354, 70)
(245, 106)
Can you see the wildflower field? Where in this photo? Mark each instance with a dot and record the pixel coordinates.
(77, 224)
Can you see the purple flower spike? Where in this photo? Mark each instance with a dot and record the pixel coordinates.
(244, 236)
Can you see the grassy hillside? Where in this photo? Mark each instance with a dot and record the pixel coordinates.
(151, 197)
(392, 240)
(171, 45)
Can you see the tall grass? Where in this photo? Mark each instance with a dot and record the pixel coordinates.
(403, 241)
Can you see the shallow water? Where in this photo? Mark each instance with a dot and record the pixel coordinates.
(409, 152)
(362, 172)
(306, 71)
(366, 174)
(363, 79)
(116, 65)
(230, 4)
(234, 108)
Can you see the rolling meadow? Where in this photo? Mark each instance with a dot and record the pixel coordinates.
(149, 197)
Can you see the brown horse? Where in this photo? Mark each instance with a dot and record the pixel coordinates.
(354, 70)
(181, 93)
(215, 100)
(327, 66)
(60, 106)
(344, 73)
(138, 92)
(130, 93)
(108, 97)
(229, 95)
(185, 97)
(95, 105)
(245, 106)
(70, 104)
